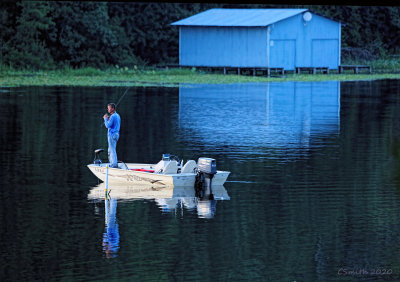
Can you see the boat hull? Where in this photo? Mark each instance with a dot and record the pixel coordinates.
(129, 176)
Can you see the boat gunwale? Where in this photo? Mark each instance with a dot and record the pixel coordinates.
(151, 173)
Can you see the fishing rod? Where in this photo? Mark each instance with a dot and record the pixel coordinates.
(120, 99)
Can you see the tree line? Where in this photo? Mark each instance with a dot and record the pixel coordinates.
(55, 34)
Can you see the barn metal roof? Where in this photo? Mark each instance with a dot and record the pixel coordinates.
(239, 17)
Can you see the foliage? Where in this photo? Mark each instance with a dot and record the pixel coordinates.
(388, 64)
(87, 37)
(58, 34)
(27, 47)
(125, 76)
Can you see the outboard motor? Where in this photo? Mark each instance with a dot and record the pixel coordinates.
(206, 208)
(206, 169)
(97, 159)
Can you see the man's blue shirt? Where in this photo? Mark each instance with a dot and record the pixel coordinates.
(113, 124)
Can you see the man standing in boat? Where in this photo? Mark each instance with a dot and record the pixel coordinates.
(112, 121)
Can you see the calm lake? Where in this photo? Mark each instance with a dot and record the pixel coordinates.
(313, 194)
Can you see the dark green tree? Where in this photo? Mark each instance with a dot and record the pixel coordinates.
(8, 21)
(27, 46)
(82, 32)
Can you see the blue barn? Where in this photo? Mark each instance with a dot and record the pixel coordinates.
(265, 38)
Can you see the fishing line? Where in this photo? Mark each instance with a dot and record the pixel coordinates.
(120, 99)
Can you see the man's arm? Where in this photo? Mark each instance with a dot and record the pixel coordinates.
(108, 121)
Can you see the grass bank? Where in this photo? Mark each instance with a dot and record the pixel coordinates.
(173, 77)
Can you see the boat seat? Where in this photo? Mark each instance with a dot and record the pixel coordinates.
(189, 167)
(171, 168)
(159, 166)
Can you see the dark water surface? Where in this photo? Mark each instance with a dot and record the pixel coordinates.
(313, 195)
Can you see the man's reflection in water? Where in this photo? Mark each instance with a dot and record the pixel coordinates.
(204, 207)
(111, 234)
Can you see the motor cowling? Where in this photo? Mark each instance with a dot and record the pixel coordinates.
(206, 169)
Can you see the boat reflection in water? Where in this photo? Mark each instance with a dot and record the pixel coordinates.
(185, 198)
(169, 200)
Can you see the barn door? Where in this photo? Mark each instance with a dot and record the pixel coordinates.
(282, 54)
(325, 53)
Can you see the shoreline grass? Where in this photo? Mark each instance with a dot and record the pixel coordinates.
(168, 78)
